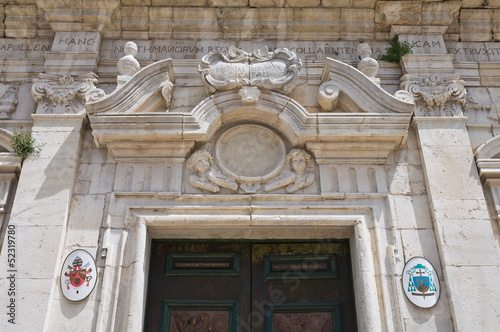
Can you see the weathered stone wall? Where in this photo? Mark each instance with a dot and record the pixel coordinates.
(395, 192)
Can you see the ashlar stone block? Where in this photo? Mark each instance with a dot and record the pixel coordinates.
(84, 321)
(32, 240)
(421, 243)
(20, 21)
(471, 236)
(476, 25)
(496, 24)
(444, 161)
(85, 219)
(135, 18)
(37, 291)
(398, 180)
(357, 23)
(337, 3)
(303, 3)
(411, 212)
(160, 22)
(484, 315)
(228, 3)
(266, 3)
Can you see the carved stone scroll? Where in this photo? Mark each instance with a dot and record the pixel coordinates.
(277, 70)
(436, 95)
(61, 94)
(328, 96)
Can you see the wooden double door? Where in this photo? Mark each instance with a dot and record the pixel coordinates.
(250, 287)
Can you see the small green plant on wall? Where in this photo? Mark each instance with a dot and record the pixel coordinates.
(24, 144)
(396, 50)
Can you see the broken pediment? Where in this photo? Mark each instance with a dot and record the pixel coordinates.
(149, 90)
(369, 127)
(346, 89)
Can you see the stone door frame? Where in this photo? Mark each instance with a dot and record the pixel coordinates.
(135, 219)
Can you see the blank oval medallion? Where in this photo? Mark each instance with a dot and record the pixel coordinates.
(250, 153)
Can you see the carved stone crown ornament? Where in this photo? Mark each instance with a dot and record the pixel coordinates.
(436, 95)
(61, 94)
(262, 69)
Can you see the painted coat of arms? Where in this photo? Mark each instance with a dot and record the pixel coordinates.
(421, 282)
(78, 275)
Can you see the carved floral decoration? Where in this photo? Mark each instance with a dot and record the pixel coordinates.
(60, 94)
(277, 70)
(436, 95)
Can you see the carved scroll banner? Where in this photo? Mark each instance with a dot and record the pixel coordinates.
(277, 70)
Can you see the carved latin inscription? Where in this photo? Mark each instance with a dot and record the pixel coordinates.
(276, 70)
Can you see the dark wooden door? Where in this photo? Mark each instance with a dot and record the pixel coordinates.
(250, 287)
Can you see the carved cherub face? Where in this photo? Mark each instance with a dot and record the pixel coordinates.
(200, 162)
(299, 164)
(298, 160)
(202, 165)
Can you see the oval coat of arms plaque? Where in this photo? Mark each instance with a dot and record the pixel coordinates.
(421, 282)
(78, 275)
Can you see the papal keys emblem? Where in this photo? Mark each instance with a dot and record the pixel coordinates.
(421, 282)
(78, 275)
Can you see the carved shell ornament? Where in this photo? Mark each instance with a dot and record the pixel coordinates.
(249, 159)
(277, 70)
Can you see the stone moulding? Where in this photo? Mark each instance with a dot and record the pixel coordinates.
(344, 137)
(144, 92)
(277, 70)
(359, 94)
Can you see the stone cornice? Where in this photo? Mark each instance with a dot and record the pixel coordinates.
(354, 137)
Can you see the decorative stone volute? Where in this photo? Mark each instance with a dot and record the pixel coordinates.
(128, 65)
(277, 70)
(61, 94)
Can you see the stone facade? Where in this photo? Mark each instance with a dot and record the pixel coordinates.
(250, 120)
